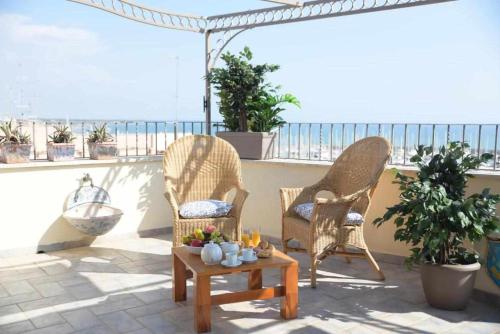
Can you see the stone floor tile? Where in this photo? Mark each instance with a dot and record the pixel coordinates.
(46, 302)
(120, 321)
(95, 330)
(144, 331)
(18, 287)
(110, 305)
(3, 292)
(50, 289)
(149, 309)
(17, 327)
(81, 319)
(84, 291)
(132, 277)
(11, 314)
(45, 317)
(25, 297)
(57, 329)
(158, 324)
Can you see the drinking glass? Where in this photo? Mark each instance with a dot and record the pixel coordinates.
(256, 237)
(245, 237)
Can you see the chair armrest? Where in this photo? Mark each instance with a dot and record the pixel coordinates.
(326, 211)
(172, 200)
(288, 196)
(239, 198)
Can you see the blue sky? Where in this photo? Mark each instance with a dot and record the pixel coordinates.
(437, 63)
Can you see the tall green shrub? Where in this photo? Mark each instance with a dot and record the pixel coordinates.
(434, 216)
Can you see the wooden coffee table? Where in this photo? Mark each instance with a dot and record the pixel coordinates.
(186, 265)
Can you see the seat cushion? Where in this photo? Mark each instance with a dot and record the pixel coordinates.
(305, 211)
(205, 209)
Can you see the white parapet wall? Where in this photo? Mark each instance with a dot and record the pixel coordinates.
(32, 198)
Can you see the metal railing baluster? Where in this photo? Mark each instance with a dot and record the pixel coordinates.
(495, 152)
(34, 142)
(309, 142)
(331, 141)
(279, 141)
(404, 144)
(146, 131)
(289, 138)
(479, 141)
(320, 138)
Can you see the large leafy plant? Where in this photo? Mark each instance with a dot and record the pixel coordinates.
(265, 110)
(100, 134)
(246, 100)
(433, 215)
(11, 133)
(62, 135)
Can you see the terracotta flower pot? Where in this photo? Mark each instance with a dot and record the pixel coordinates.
(102, 151)
(12, 153)
(251, 145)
(448, 286)
(60, 152)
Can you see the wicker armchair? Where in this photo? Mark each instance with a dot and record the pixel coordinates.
(352, 180)
(200, 168)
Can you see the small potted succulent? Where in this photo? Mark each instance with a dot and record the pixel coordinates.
(435, 217)
(15, 146)
(101, 143)
(60, 146)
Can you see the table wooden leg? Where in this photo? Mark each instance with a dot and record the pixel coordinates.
(289, 303)
(202, 304)
(255, 279)
(179, 280)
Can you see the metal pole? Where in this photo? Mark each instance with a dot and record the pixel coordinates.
(207, 101)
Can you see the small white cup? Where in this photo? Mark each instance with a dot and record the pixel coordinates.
(248, 254)
(231, 258)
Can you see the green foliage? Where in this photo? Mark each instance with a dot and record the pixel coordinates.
(11, 133)
(62, 134)
(433, 215)
(265, 110)
(100, 134)
(245, 99)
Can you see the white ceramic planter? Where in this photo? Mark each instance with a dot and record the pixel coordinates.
(93, 218)
(251, 145)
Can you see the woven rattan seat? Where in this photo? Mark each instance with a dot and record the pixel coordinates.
(200, 168)
(352, 180)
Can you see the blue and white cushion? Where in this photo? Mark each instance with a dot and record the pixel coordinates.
(210, 208)
(305, 211)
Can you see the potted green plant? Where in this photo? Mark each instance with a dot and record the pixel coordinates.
(61, 147)
(435, 217)
(15, 145)
(101, 143)
(248, 102)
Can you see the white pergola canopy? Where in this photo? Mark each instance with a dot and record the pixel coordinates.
(231, 24)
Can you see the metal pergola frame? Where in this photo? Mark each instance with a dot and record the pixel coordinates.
(229, 25)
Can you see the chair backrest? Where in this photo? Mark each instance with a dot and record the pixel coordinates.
(360, 165)
(201, 167)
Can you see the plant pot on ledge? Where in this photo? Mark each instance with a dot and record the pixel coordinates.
(102, 151)
(251, 145)
(12, 153)
(60, 152)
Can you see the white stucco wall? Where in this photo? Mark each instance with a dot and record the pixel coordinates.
(32, 198)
